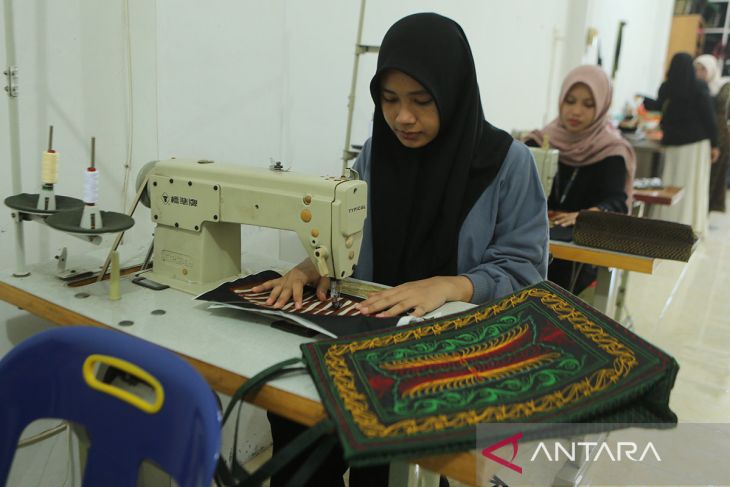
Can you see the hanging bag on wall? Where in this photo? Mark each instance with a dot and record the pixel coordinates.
(538, 356)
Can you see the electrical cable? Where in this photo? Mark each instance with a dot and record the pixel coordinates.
(130, 107)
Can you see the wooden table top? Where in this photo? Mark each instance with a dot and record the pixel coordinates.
(668, 195)
(460, 466)
(644, 144)
(602, 258)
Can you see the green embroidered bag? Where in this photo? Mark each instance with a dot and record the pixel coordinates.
(540, 355)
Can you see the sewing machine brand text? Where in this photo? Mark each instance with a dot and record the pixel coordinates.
(178, 200)
(356, 208)
(177, 259)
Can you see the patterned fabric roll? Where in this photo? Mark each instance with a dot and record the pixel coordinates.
(639, 236)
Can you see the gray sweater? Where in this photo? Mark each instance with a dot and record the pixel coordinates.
(503, 242)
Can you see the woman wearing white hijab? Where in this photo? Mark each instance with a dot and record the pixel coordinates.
(708, 69)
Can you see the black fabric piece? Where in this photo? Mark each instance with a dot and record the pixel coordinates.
(337, 325)
(420, 197)
(562, 234)
(686, 104)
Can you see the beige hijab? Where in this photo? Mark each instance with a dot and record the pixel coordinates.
(600, 139)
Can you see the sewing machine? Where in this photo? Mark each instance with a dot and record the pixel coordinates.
(198, 207)
(546, 160)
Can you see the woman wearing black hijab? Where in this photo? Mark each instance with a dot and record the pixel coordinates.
(690, 134)
(456, 210)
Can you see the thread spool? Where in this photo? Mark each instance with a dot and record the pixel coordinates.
(91, 186)
(49, 167)
(114, 289)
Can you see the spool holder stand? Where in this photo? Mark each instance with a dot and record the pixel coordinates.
(24, 208)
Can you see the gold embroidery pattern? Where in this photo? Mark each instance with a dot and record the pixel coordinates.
(471, 377)
(443, 359)
(624, 360)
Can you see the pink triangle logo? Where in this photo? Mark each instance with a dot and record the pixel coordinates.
(512, 440)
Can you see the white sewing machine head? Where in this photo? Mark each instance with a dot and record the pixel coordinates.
(546, 160)
(198, 207)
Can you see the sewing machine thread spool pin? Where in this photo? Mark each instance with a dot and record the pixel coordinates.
(114, 277)
(87, 220)
(49, 176)
(91, 216)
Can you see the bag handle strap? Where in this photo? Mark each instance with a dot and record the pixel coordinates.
(293, 450)
(236, 474)
(313, 462)
(259, 380)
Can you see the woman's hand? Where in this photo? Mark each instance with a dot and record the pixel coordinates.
(567, 218)
(291, 285)
(714, 154)
(563, 218)
(417, 297)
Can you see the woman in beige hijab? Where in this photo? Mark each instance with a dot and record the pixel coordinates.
(596, 165)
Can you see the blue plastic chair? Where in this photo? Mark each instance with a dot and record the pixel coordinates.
(51, 375)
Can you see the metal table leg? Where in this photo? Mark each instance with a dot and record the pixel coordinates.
(607, 290)
(404, 474)
(20, 268)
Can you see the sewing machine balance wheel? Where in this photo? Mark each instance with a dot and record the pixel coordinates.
(70, 221)
(28, 203)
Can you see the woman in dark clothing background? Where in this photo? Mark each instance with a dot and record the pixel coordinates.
(690, 134)
(707, 69)
(596, 165)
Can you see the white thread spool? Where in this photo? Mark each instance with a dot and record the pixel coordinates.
(49, 167)
(91, 186)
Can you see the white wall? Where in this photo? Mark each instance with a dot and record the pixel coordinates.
(73, 63)
(643, 46)
(246, 81)
(273, 82)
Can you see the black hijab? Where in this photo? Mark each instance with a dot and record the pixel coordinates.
(420, 197)
(682, 81)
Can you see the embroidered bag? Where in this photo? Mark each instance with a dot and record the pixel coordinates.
(640, 236)
(539, 355)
